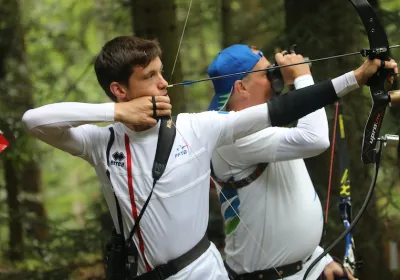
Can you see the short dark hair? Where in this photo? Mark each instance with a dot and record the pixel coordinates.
(118, 58)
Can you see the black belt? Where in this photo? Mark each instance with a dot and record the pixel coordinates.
(164, 271)
(268, 274)
(242, 182)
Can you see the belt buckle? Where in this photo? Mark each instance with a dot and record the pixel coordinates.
(248, 180)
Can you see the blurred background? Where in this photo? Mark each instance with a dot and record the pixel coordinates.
(53, 219)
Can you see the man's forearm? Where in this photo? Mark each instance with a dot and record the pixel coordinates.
(68, 114)
(54, 124)
(296, 104)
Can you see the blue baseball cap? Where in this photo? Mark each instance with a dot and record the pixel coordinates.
(234, 59)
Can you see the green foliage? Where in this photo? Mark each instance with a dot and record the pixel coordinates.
(62, 39)
(63, 252)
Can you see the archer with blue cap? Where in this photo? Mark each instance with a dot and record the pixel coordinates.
(265, 183)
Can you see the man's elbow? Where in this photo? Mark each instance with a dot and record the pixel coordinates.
(320, 145)
(28, 121)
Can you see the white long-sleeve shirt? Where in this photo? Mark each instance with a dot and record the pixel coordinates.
(281, 208)
(177, 215)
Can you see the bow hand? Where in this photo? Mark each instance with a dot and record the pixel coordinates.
(374, 73)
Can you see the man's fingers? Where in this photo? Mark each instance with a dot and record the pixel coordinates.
(390, 64)
(164, 112)
(163, 98)
(163, 106)
(152, 121)
(329, 274)
(278, 57)
(350, 276)
(162, 109)
(387, 64)
(148, 121)
(396, 68)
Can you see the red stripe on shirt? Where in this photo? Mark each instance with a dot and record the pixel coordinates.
(132, 197)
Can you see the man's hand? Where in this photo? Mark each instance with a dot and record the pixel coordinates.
(334, 269)
(139, 111)
(369, 68)
(290, 73)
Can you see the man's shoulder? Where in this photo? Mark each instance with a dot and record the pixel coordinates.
(201, 115)
(265, 134)
(101, 131)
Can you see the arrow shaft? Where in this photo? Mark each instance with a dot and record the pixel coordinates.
(185, 83)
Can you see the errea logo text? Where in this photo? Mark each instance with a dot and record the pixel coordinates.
(118, 159)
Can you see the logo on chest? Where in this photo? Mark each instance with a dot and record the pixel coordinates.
(181, 150)
(118, 159)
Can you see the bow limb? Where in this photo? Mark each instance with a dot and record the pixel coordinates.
(357, 218)
(349, 261)
(379, 48)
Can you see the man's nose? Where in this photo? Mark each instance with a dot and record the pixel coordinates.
(163, 83)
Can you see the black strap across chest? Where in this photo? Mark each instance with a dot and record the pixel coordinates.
(166, 138)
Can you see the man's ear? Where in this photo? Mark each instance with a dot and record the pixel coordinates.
(240, 88)
(119, 91)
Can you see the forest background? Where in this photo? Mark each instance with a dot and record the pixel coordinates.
(53, 219)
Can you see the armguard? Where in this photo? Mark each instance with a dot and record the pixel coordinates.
(296, 104)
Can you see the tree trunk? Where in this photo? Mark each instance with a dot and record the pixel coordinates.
(32, 201)
(156, 19)
(228, 23)
(14, 209)
(335, 32)
(21, 170)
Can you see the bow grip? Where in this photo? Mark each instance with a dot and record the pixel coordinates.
(380, 100)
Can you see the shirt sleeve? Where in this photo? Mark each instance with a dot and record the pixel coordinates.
(66, 125)
(223, 128)
(328, 259)
(309, 138)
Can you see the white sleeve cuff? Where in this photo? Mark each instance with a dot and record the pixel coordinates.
(344, 84)
(328, 259)
(109, 111)
(303, 81)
